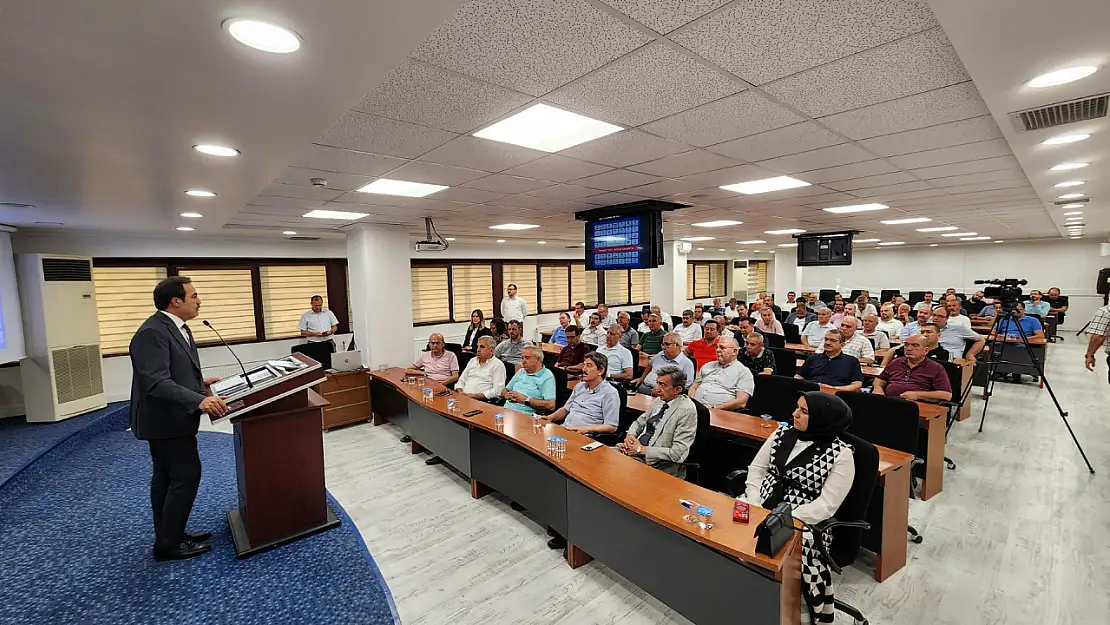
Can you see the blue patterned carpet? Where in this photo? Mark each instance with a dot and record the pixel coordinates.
(21, 443)
(75, 541)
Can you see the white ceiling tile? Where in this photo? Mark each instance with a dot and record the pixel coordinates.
(943, 135)
(300, 192)
(287, 202)
(847, 172)
(569, 207)
(953, 154)
(375, 199)
(608, 199)
(663, 16)
(336, 181)
(483, 154)
(989, 186)
(507, 184)
(421, 206)
(663, 188)
(557, 168)
(462, 194)
(521, 201)
(359, 131)
(431, 96)
(870, 181)
(272, 210)
(833, 156)
(692, 162)
(789, 140)
(905, 190)
(625, 148)
(969, 179)
(741, 115)
(347, 161)
(564, 192)
(764, 40)
(616, 180)
(940, 106)
(433, 173)
(917, 63)
(532, 46)
(652, 82)
(967, 167)
(728, 175)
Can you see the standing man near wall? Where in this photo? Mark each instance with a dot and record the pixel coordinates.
(168, 394)
(1098, 329)
(513, 307)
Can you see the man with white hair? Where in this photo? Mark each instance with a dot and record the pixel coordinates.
(437, 363)
(724, 383)
(872, 332)
(670, 356)
(484, 376)
(854, 343)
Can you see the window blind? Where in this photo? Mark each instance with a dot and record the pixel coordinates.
(641, 286)
(287, 292)
(717, 280)
(701, 280)
(616, 287)
(583, 286)
(757, 277)
(124, 299)
(230, 307)
(429, 295)
(689, 281)
(472, 286)
(524, 277)
(554, 288)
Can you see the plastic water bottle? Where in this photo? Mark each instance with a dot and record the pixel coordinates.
(705, 517)
(499, 420)
(766, 420)
(427, 393)
(562, 446)
(550, 444)
(451, 405)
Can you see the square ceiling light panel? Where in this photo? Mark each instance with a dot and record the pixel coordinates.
(546, 128)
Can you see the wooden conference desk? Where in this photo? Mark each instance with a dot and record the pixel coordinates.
(607, 505)
(894, 477)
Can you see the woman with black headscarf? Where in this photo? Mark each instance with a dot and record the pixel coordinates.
(808, 466)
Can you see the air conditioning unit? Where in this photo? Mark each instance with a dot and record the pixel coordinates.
(61, 374)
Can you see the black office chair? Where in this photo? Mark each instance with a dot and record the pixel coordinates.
(510, 370)
(451, 347)
(791, 333)
(776, 341)
(887, 295)
(549, 359)
(786, 362)
(915, 297)
(891, 422)
(827, 296)
(777, 396)
(873, 345)
(636, 368)
(675, 321)
(464, 359)
(698, 448)
(848, 524)
(855, 294)
(562, 393)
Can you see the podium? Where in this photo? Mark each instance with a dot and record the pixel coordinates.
(279, 454)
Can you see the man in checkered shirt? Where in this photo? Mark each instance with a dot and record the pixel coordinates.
(1098, 329)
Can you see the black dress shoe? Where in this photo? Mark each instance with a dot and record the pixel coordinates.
(515, 506)
(433, 460)
(187, 549)
(558, 542)
(198, 537)
(406, 439)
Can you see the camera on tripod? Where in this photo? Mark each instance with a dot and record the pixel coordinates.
(1007, 291)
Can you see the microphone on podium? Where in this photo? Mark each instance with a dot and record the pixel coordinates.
(245, 376)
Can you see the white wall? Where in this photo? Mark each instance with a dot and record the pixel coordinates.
(1071, 265)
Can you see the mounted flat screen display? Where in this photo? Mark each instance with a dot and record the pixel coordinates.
(634, 242)
(825, 249)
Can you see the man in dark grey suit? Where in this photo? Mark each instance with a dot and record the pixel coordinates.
(168, 394)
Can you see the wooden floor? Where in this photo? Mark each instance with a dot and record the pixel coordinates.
(1021, 533)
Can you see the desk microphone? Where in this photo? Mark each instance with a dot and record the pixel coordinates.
(245, 376)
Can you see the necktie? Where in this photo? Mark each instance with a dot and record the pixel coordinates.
(649, 427)
(192, 343)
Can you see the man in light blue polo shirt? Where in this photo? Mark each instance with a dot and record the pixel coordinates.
(671, 356)
(954, 338)
(594, 405)
(533, 386)
(620, 359)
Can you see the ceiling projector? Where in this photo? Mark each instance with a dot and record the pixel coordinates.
(430, 243)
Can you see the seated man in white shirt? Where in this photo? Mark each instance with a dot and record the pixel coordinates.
(607, 318)
(594, 334)
(690, 330)
(864, 305)
(854, 343)
(957, 316)
(814, 333)
(888, 323)
(726, 383)
(618, 356)
(484, 376)
(872, 332)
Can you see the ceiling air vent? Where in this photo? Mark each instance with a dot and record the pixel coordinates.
(1082, 200)
(303, 238)
(1061, 113)
(66, 270)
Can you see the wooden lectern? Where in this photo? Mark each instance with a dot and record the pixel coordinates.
(279, 455)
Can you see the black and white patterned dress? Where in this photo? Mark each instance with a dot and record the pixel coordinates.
(803, 477)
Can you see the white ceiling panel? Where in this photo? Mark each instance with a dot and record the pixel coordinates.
(483, 154)
(616, 180)
(287, 202)
(532, 46)
(953, 154)
(507, 184)
(729, 175)
(972, 179)
(833, 156)
(914, 64)
(789, 140)
(905, 190)
(746, 113)
(848, 172)
(663, 16)
(764, 41)
(940, 106)
(1013, 183)
(336, 181)
(431, 96)
(347, 161)
(625, 148)
(557, 168)
(613, 197)
(870, 181)
(968, 167)
(522, 201)
(652, 82)
(564, 192)
(462, 194)
(433, 173)
(960, 132)
(368, 133)
(663, 188)
(691, 162)
(300, 192)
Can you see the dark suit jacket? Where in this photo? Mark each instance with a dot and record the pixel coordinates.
(166, 382)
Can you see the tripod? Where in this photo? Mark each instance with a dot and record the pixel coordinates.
(998, 351)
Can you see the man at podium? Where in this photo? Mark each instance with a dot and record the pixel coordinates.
(168, 394)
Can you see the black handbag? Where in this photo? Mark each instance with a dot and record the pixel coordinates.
(775, 531)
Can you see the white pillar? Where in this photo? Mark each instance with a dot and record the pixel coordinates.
(788, 275)
(668, 281)
(378, 264)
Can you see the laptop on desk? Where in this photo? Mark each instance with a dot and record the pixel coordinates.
(347, 361)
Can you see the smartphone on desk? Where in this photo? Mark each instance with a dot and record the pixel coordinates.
(592, 446)
(444, 393)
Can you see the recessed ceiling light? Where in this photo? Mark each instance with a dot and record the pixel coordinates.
(1065, 138)
(500, 240)
(866, 240)
(856, 208)
(766, 185)
(938, 229)
(720, 249)
(771, 252)
(786, 231)
(514, 227)
(541, 242)
(720, 223)
(192, 215)
(289, 233)
(701, 249)
(751, 242)
(1068, 183)
(1000, 241)
(756, 251)
(788, 245)
(581, 245)
(1067, 166)
(546, 128)
(893, 243)
(907, 220)
(932, 245)
(960, 234)
(1073, 213)
(386, 186)
(185, 228)
(975, 239)
(1077, 218)
(1062, 76)
(1070, 196)
(200, 193)
(1073, 205)
(215, 150)
(694, 239)
(449, 239)
(326, 214)
(263, 36)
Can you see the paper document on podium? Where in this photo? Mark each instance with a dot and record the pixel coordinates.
(237, 383)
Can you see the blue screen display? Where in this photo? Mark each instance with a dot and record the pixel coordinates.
(618, 243)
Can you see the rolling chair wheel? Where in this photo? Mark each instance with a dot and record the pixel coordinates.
(917, 539)
(863, 622)
(951, 465)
